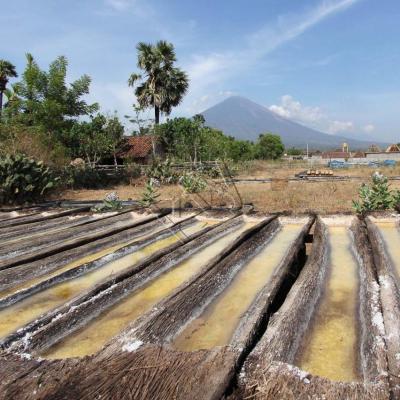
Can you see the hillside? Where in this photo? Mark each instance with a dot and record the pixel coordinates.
(245, 119)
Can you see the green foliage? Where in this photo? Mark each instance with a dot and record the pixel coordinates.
(96, 138)
(162, 172)
(376, 196)
(86, 177)
(23, 179)
(269, 147)
(192, 182)
(46, 100)
(150, 194)
(83, 177)
(7, 70)
(142, 126)
(110, 203)
(396, 200)
(181, 138)
(163, 85)
(133, 170)
(293, 151)
(33, 142)
(189, 140)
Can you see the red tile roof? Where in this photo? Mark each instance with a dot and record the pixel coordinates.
(139, 146)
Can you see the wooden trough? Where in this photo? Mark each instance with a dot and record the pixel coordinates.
(102, 297)
(17, 254)
(154, 329)
(272, 370)
(385, 240)
(139, 237)
(203, 305)
(57, 324)
(85, 281)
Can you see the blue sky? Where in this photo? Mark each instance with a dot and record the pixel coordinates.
(330, 64)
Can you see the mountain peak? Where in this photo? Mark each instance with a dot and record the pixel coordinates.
(244, 119)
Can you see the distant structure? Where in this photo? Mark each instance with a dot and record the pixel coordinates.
(393, 148)
(142, 149)
(374, 154)
(338, 155)
(374, 149)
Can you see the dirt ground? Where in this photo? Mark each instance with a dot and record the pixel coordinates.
(280, 195)
(277, 169)
(296, 197)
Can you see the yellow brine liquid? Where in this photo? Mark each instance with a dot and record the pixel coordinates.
(92, 337)
(216, 325)
(330, 346)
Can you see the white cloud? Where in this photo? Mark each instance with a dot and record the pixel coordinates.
(293, 109)
(313, 117)
(215, 68)
(119, 5)
(340, 126)
(368, 128)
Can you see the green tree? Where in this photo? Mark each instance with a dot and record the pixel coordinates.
(114, 132)
(293, 151)
(182, 137)
(162, 85)
(100, 137)
(241, 150)
(144, 126)
(7, 71)
(269, 147)
(189, 140)
(46, 100)
(92, 140)
(214, 144)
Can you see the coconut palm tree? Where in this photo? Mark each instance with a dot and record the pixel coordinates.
(7, 70)
(161, 85)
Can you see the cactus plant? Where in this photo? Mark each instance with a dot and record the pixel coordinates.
(23, 179)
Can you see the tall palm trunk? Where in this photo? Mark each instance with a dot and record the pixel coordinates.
(156, 115)
(3, 85)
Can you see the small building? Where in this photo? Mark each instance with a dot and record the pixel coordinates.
(336, 155)
(358, 154)
(142, 149)
(393, 148)
(374, 149)
(384, 156)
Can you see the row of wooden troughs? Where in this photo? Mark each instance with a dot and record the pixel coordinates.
(198, 305)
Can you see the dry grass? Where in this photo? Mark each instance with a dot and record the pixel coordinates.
(297, 197)
(278, 169)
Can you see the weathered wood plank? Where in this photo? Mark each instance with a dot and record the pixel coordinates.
(269, 370)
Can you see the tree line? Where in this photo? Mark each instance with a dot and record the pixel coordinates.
(46, 117)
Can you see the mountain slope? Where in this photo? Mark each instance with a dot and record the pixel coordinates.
(244, 119)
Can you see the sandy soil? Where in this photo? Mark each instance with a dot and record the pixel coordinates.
(303, 196)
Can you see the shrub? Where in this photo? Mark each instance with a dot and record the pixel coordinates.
(110, 203)
(82, 177)
(192, 183)
(376, 196)
(396, 200)
(22, 179)
(133, 170)
(163, 172)
(150, 194)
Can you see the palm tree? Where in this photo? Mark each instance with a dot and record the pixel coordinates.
(7, 70)
(162, 85)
